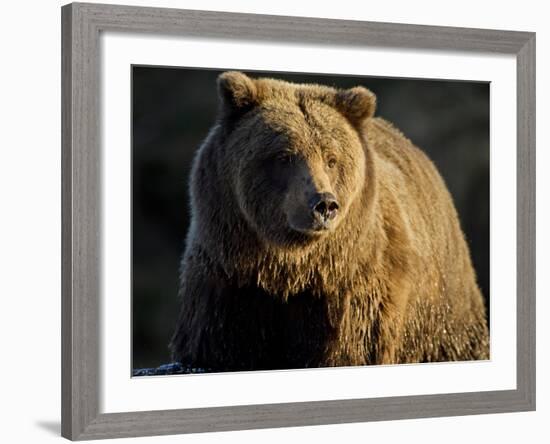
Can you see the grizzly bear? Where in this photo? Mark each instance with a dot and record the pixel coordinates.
(320, 236)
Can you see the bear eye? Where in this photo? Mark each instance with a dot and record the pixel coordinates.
(331, 162)
(285, 158)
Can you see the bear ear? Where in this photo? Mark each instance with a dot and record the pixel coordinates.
(237, 91)
(357, 104)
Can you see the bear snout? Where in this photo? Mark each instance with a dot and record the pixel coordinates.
(324, 207)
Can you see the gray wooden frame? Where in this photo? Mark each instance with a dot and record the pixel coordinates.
(81, 166)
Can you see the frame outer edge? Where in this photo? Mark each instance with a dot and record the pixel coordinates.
(170, 21)
(526, 222)
(81, 184)
(66, 222)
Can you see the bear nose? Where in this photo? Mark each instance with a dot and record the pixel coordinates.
(324, 205)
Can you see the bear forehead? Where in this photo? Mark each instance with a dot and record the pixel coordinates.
(301, 111)
(304, 122)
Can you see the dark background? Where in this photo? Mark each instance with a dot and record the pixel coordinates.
(173, 109)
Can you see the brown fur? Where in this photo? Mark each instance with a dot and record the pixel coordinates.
(390, 281)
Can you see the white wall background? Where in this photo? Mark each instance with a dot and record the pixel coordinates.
(30, 221)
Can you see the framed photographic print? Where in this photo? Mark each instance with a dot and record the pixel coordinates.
(277, 221)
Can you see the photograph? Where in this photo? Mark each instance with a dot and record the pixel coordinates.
(285, 221)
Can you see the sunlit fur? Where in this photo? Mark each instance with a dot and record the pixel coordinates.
(392, 280)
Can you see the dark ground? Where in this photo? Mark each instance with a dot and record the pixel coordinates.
(173, 108)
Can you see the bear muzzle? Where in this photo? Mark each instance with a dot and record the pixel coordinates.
(324, 208)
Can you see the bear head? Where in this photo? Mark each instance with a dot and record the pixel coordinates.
(295, 154)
